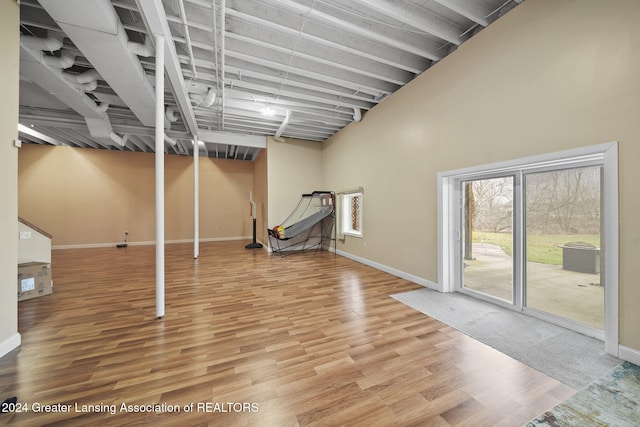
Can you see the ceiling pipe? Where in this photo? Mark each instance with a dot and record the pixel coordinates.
(102, 107)
(223, 29)
(65, 60)
(171, 113)
(197, 98)
(283, 125)
(170, 140)
(87, 81)
(115, 138)
(49, 44)
(145, 50)
(183, 15)
(219, 57)
(88, 87)
(68, 87)
(101, 129)
(51, 79)
(207, 99)
(97, 31)
(357, 114)
(85, 77)
(215, 46)
(210, 98)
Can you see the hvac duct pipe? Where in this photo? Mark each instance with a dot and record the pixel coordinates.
(196, 198)
(210, 98)
(49, 44)
(283, 125)
(223, 30)
(159, 134)
(171, 114)
(145, 50)
(170, 140)
(357, 114)
(65, 60)
(85, 77)
(102, 107)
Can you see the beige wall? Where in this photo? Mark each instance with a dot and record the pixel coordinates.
(9, 52)
(91, 197)
(550, 75)
(562, 74)
(294, 168)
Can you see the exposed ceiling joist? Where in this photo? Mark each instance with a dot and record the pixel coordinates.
(471, 9)
(237, 70)
(154, 15)
(417, 17)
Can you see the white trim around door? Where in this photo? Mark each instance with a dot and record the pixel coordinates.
(605, 155)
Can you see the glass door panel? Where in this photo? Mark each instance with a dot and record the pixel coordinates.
(487, 236)
(562, 244)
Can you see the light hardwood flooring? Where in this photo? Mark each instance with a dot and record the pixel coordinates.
(309, 339)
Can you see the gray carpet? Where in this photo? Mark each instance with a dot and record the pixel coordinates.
(570, 357)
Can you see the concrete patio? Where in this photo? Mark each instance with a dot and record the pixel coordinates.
(550, 288)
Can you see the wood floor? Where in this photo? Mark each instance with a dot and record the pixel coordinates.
(251, 339)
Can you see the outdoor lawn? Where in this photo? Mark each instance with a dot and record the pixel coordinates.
(542, 248)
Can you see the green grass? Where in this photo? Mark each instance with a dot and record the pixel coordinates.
(543, 248)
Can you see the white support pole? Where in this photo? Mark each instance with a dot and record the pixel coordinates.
(196, 199)
(159, 148)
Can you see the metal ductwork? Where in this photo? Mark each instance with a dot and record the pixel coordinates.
(210, 98)
(101, 129)
(65, 60)
(47, 72)
(283, 125)
(48, 44)
(357, 114)
(201, 94)
(95, 28)
(145, 50)
(87, 81)
(51, 79)
(171, 113)
(83, 78)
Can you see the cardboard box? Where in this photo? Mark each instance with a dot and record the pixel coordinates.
(34, 280)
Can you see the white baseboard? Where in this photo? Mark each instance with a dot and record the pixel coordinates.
(10, 344)
(402, 274)
(148, 243)
(629, 354)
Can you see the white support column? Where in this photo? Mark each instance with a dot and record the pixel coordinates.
(196, 198)
(159, 148)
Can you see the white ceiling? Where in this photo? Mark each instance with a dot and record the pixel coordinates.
(88, 67)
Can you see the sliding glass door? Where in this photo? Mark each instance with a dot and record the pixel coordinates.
(487, 244)
(562, 238)
(531, 240)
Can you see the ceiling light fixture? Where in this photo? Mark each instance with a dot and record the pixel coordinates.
(268, 111)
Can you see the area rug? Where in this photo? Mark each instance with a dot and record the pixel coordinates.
(612, 400)
(570, 357)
